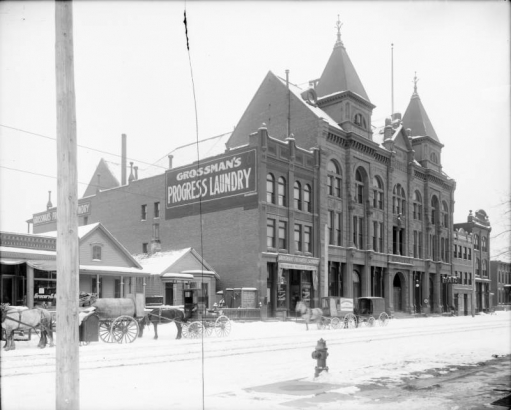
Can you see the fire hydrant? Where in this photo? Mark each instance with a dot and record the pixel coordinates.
(320, 354)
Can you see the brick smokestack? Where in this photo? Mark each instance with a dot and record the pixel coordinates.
(123, 160)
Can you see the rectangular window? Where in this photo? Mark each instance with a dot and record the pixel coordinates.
(117, 288)
(375, 236)
(338, 187)
(414, 211)
(415, 244)
(469, 254)
(360, 233)
(156, 231)
(270, 233)
(355, 231)
(380, 239)
(282, 235)
(420, 212)
(144, 248)
(94, 286)
(298, 238)
(331, 222)
(338, 228)
(330, 183)
(85, 220)
(464, 252)
(96, 253)
(156, 209)
(470, 278)
(143, 215)
(420, 245)
(360, 194)
(307, 239)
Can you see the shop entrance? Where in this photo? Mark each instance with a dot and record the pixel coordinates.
(398, 294)
(13, 285)
(169, 294)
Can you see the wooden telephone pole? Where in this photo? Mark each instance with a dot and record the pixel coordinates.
(67, 354)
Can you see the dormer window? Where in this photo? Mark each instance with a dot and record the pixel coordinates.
(360, 121)
(434, 158)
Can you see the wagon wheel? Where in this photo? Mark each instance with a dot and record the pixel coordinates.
(184, 330)
(124, 329)
(370, 321)
(223, 326)
(335, 323)
(104, 331)
(194, 330)
(350, 321)
(383, 319)
(207, 328)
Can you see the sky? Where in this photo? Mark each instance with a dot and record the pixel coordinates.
(134, 76)
(168, 374)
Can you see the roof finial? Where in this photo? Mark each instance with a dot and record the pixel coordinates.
(415, 81)
(338, 26)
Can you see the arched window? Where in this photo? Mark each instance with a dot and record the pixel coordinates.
(298, 196)
(445, 210)
(485, 268)
(270, 189)
(434, 158)
(478, 266)
(417, 206)
(377, 193)
(334, 179)
(484, 244)
(359, 187)
(476, 241)
(282, 192)
(307, 198)
(398, 200)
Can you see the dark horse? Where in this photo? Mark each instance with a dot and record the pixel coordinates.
(28, 319)
(159, 316)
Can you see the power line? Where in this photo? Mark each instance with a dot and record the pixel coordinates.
(81, 183)
(82, 146)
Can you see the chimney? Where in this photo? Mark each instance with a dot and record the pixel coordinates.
(388, 130)
(136, 173)
(123, 160)
(396, 118)
(131, 178)
(49, 204)
(170, 160)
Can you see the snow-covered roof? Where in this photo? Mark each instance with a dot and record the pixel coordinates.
(82, 231)
(159, 262)
(187, 154)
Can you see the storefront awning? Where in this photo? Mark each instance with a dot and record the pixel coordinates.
(296, 266)
(47, 265)
(12, 261)
(176, 276)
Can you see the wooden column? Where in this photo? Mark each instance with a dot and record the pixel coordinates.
(67, 354)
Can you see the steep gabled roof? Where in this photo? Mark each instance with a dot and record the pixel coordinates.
(340, 75)
(417, 119)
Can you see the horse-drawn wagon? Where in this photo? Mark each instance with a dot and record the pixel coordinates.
(117, 319)
(371, 310)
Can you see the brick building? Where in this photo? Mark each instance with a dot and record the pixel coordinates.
(479, 226)
(305, 198)
(500, 274)
(461, 289)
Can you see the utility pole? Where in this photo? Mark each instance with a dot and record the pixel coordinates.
(67, 354)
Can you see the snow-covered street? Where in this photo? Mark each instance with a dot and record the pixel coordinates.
(225, 373)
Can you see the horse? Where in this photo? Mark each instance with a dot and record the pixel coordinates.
(159, 316)
(28, 319)
(310, 315)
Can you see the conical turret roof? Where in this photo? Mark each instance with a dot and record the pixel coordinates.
(340, 74)
(417, 119)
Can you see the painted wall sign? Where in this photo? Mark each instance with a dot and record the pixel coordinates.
(217, 184)
(51, 216)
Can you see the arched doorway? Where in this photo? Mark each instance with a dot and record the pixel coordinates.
(398, 293)
(357, 291)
